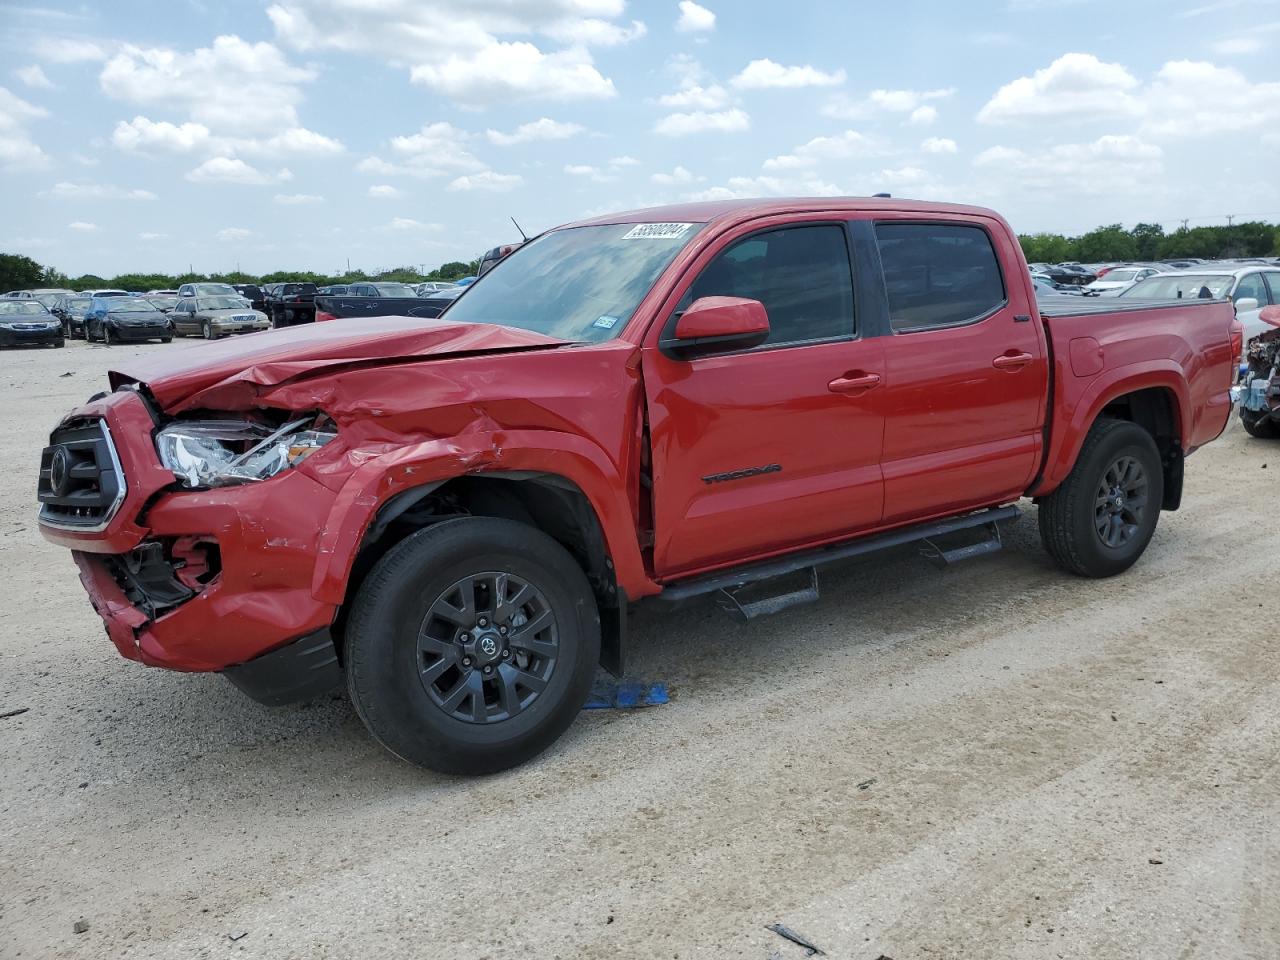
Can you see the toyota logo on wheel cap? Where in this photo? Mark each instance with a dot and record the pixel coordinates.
(488, 646)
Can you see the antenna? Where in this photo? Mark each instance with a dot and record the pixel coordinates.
(524, 236)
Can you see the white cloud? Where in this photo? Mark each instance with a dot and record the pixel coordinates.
(436, 147)
(297, 199)
(938, 145)
(152, 236)
(542, 129)
(701, 121)
(233, 233)
(596, 33)
(231, 86)
(850, 145)
(487, 180)
(696, 97)
(923, 116)
(408, 224)
(765, 74)
(515, 71)
(34, 77)
(624, 162)
(903, 177)
(585, 170)
(1189, 99)
(95, 191)
(736, 188)
(17, 150)
(694, 18)
(80, 226)
(1075, 86)
(384, 191)
(234, 170)
(68, 50)
(886, 101)
(144, 135)
(1108, 165)
(677, 176)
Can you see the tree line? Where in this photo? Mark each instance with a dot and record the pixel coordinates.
(18, 272)
(1149, 242)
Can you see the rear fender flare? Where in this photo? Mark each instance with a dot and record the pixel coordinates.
(1109, 385)
(572, 457)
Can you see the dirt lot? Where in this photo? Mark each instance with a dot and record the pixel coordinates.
(995, 761)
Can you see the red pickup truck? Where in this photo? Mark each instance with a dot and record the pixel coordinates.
(453, 515)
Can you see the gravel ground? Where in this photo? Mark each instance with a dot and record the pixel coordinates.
(993, 761)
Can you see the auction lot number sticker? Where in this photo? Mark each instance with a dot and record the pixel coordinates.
(657, 231)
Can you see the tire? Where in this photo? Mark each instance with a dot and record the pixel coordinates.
(106, 336)
(1072, 517)
(393, 615)
(165, 339)
(60, 343)
(206, 330)
(1260, 425)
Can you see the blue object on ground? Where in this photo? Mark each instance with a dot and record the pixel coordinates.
(626, 695)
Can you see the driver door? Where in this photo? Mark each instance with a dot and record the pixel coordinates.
(777, 446)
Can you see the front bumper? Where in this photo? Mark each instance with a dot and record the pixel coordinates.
(267, 537)
(11, 337)
(152, 331)
(231, 326)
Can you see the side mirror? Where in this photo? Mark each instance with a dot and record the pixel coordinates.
(716, 324)
(1245, 304)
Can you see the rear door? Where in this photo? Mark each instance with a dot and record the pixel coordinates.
(778, 446)
(966, 368)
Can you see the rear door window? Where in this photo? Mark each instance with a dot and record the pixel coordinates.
(1251, 285)
(1273, 281)
(938, 275)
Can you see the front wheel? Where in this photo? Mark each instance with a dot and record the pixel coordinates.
(1100, 520)
(207, 330)
(1260, 425)
(108, 338)
(472, 645)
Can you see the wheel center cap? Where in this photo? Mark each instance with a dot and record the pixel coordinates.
(486, 647)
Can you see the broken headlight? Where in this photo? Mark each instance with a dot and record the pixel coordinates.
(218, 453)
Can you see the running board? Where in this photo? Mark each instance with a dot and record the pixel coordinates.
(729, 585)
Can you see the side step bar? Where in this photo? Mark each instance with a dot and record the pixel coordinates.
(728, 584)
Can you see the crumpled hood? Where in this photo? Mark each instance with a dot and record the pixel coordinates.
(272, 357)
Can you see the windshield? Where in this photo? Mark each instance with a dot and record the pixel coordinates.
(162, 302)
(130, 305)
(1173, 286)
(583, 283)
(1125, 275)
(22, 308)
(220, 303)
(214, 289)
(395, 290)
(76, 304)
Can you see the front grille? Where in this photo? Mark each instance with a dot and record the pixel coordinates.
(81, 484)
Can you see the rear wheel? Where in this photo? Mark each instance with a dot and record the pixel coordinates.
(1100, 520)
(206, 329)
(1260, 425)
(472, 645)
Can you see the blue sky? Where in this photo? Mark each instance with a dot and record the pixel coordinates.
(298, 134)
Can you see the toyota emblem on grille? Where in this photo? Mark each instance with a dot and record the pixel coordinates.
(59, 470)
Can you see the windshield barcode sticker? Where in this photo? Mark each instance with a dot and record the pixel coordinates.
(657, 231)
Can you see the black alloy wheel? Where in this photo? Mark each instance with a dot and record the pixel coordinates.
(1120, 503)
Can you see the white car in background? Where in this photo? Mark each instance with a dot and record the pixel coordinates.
(1249, 288)
(1120, 278)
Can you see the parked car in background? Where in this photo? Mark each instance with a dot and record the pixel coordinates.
(1120, 278)
(289, 304)
(25, 321)
(465, 281)
(162, 293)
(1251, 289)
(428, 287)
(491, 258)
(207, 289)
(381, 300)
(104, 292)
(253, 293)
(36, 293)
(332, 290)
(214, 317)
(163, 303)
(70, 310)
(125, 320)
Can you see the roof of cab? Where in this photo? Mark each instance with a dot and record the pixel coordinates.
(710, 210)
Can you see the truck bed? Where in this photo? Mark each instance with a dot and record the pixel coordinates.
(1088, 306)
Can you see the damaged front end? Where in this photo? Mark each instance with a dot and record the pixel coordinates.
(1258, 390)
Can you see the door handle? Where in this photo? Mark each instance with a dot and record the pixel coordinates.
(1011, 361)
(854, 383)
